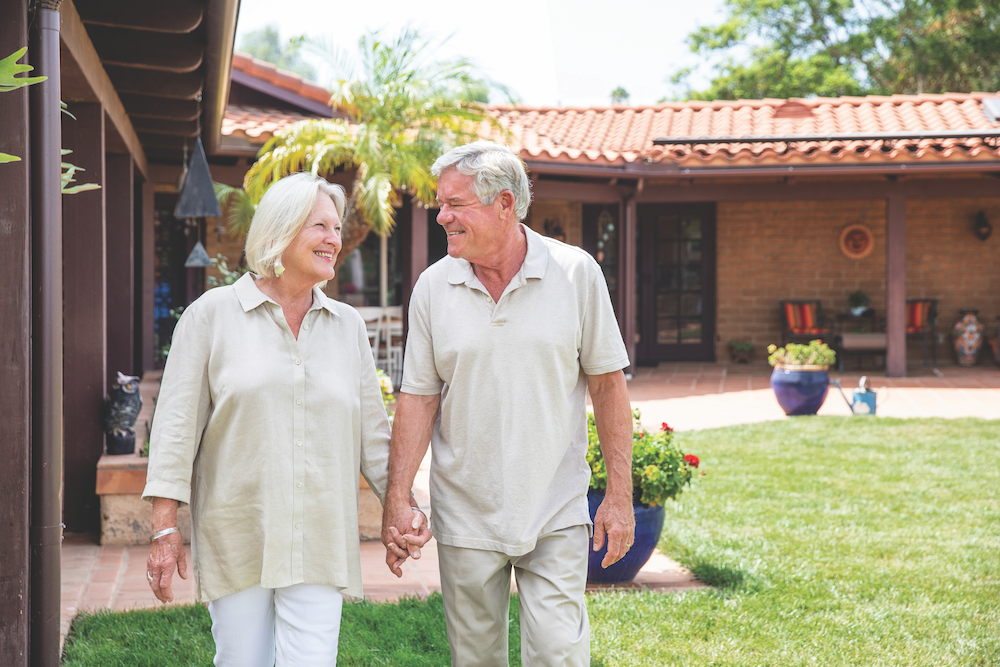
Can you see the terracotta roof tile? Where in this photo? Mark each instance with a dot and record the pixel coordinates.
(621, 134)
(255, 124)
(265, 71)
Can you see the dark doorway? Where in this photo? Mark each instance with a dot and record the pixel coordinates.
(675, 285)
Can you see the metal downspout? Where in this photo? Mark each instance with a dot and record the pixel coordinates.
(47, 338)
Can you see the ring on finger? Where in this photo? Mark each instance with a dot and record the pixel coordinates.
(149, 577)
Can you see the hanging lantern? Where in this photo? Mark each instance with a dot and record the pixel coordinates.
(197, 198)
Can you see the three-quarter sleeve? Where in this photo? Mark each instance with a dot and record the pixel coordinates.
(375, 432)
(182, 410)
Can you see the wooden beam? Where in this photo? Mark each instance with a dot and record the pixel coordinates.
(177, 16)
(173, 128)
(15, 353)
(163, 52)
(145, 278)
(77, 45)
(85, 315)
(145, 106)
(121, 278)
(588, 193)
(821, 191)
(626, 277)
(895, 281)
(156, 84)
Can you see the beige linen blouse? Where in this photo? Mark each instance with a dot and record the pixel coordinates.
(264, 435)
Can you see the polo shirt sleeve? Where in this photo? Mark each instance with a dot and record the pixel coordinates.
(182, 409)
(420, 374)
(602, 349)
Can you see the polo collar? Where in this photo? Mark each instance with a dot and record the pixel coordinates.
(535, 261)
(250, 295)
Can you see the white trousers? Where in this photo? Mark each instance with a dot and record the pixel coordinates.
(267, 627)
(551, 583)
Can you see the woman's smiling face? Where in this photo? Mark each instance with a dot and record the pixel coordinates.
(312, 254)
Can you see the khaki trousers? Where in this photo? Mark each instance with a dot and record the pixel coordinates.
(551, 582)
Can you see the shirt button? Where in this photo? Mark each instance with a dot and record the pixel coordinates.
(298, 443)
(305, 326)
(298, 402)
(298, 361)
(298, 485)
(489, 299)
(298, 525)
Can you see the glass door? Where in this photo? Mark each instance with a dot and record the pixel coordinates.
(676, 282)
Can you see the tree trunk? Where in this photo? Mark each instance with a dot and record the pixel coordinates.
(354, 230)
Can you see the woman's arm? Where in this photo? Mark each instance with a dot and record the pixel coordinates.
(167, 552)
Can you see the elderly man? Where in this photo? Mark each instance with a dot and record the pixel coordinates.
(506, 336)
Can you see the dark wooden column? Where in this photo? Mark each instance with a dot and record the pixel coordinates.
(895, 285)
(85, 318)
(121, 276)
(15, 352)
(626, 277)
(145, 277)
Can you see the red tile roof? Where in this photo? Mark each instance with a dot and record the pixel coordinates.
(256, 125)
(623, 134)
(265, 71)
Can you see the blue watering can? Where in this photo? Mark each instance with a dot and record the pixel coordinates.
(864, 402)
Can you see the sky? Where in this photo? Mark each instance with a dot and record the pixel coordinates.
(550, 52)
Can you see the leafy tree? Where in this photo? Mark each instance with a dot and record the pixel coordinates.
(799, 48)
(265, 44)
(403, 108)
(619, 96)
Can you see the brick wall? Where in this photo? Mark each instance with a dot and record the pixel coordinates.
(565, 214)
(769, 251)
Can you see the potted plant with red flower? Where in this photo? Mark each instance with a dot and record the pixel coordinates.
(660, 471)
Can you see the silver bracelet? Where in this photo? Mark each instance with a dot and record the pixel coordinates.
(165, 531)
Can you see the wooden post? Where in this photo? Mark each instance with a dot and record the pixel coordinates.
(15, 352)
(626, 278)
(145, 278)
(121, 278)
(895, 281)
(85, 318)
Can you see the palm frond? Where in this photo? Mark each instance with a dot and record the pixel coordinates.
(237, 207)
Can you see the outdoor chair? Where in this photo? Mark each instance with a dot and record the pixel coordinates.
(921, 317)
(802, 320)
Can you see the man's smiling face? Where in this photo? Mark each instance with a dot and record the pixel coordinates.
(475, 232)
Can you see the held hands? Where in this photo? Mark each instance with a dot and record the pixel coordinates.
(167, 552)
(615, 519)
(404, 531)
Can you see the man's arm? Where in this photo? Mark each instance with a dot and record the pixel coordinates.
(615, 517)
(411, 433)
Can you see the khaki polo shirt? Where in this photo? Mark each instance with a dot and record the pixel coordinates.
(264, 435)
(509, 445)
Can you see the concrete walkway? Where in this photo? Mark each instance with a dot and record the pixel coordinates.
(686, 396)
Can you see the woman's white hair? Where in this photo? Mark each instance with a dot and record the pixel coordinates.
(280, 215)
(494, 168)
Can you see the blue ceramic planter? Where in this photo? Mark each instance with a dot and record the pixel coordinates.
(648, 524)
(800, 392)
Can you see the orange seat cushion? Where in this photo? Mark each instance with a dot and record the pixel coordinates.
(802, 318)
(916, 316)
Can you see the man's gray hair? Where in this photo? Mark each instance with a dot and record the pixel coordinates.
(494, 168)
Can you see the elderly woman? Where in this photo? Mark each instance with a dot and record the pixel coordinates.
(269, 407)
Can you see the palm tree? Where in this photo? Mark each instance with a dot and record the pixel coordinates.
(404, 109)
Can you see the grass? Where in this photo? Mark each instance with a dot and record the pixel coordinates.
(829, 541)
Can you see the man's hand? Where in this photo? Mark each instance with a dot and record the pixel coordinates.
(615, 519)
(404, 532)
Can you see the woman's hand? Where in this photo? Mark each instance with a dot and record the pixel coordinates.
(167, 552)
(406, 543)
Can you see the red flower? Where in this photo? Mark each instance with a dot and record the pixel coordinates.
(642, 434)
(667, 428)
(691, 460)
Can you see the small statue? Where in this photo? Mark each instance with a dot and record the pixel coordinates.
(119, 412)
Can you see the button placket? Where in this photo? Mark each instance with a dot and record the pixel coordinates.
(298, 455)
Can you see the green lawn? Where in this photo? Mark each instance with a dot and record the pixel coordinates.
(830, 541)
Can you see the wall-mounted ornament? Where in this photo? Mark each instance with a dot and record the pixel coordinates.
(982, 227)
(856, 241)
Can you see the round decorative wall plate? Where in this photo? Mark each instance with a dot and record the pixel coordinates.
(856, 241)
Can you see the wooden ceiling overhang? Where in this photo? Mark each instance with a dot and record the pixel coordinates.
(164, 70)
